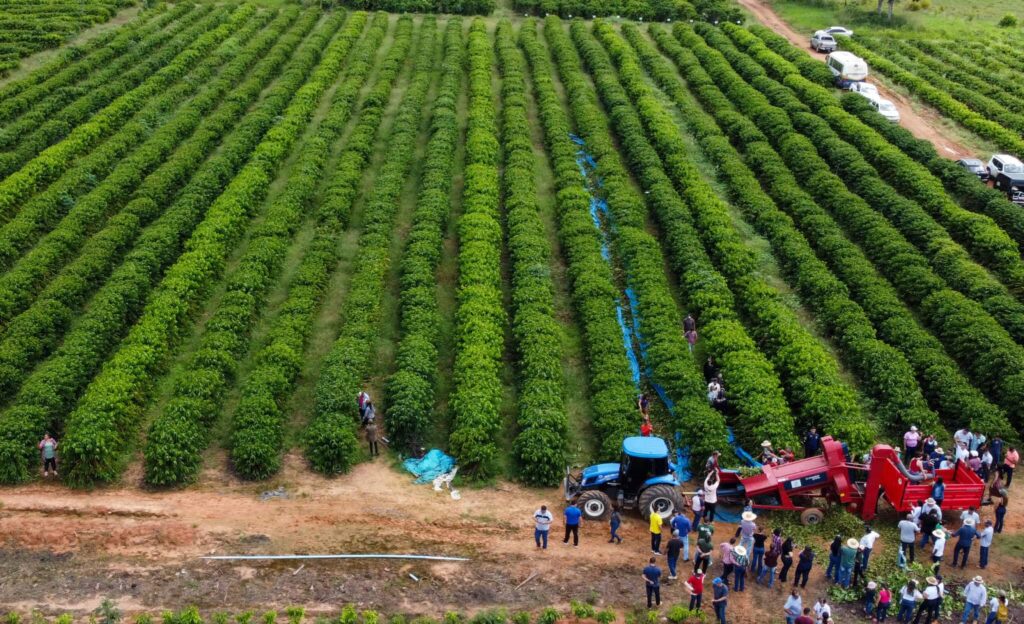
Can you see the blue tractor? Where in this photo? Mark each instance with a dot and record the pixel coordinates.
(645, 479)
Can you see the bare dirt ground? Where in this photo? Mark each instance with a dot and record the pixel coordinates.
(66, 551)
(923, 122)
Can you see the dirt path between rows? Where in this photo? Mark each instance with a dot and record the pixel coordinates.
(924, 123)
(64, 550)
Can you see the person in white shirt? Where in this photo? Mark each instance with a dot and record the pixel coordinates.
(963, 436)
(542, 520)
(986, 463)
(932, 601)
(938, 546)
(929, 505)
(711, 495)
(975, 597)
(909, 597)
(970, 514)
(697, 505)
(822, 610)
(867, 542)
(962, 452)
(985, 542)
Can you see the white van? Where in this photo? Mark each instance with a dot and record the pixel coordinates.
(885, 108)
(1004, 163)
(847, 67)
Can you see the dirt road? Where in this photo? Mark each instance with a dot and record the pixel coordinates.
(66, 551)
(923, 122)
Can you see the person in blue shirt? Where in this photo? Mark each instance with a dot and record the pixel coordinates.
(652, 581)
(682, 524)
(939, 491)
(1000, 515)
(966, 533)
(572, 524)
(996, 448)
(720, 599)
(614, 523)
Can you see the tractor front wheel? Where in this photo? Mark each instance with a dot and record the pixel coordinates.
(663, 499)
(811, 517)
(595, 505)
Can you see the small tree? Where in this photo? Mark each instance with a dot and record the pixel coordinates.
(1008, 21)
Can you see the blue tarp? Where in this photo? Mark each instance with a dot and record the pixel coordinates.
(434, 464)
(744, 456)
(600, 216)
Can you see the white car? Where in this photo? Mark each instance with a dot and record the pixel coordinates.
(885, 108)
(866, 89)
(1004, 163)
(839, 31)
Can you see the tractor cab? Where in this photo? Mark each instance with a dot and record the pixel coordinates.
(644, 479)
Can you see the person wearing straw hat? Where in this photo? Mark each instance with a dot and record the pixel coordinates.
(794, 606)
(965, 535)
(740, 562)
(847, 555)
(870, 594)
(932, 601)
(745, 532)
(720, 598)
(938, 548)
(975, 597)
(768, 456)
(931, 504)
(984, 543)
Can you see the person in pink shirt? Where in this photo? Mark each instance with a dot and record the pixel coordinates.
(912, 441)
(1009, 463)
(728, 563)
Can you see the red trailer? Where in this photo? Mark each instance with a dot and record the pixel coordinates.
(806, 485)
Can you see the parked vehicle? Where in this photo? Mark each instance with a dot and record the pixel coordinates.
(1013, 185)
(866, 89)
(1004, 163)
(885, 108)
(976, 167)
(847, 67)
(645, 480)
(839, 31)
(823, 42)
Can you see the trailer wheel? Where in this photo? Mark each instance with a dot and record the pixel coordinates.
(811, 517)
(663, 499)
(594, 504)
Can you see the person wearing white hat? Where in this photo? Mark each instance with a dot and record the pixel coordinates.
(740, 562)
(745, 532)
(768, 456)
(932, 504)
(932, 601)
(975, 597)
(912, 441)
(870, 593)
(847, 555)
(938, 548)
(966, 534)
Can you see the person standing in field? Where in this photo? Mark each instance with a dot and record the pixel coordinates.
(48, 452)
(695, 585)
(803, 567)
(361, 400)
(681, 524)
(572, 525)
(644, 405)
(911, 441)
(884, 601)
(720, 599)
(998, 610)
(370, 423)
(794, 607)
(985, 543)
(812, 443)
(614, 522)
(655, 527)
(908, 537)
(672, 552)
(711, 484)
(1000, 515)
(1009, 463)
(786, 556)
(975, 597)
(652, 582)
(691, 338)
(542, 520)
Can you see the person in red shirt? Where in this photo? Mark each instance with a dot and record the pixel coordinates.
(805, 618)
(695, 585)
(1009, 463)
(646, 429)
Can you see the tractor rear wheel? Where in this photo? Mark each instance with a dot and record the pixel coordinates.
(594, 504)
(811, 517)
(663, 499)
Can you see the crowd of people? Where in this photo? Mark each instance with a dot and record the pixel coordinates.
(769, 557)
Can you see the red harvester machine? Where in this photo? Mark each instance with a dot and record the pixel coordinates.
(802, 485)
